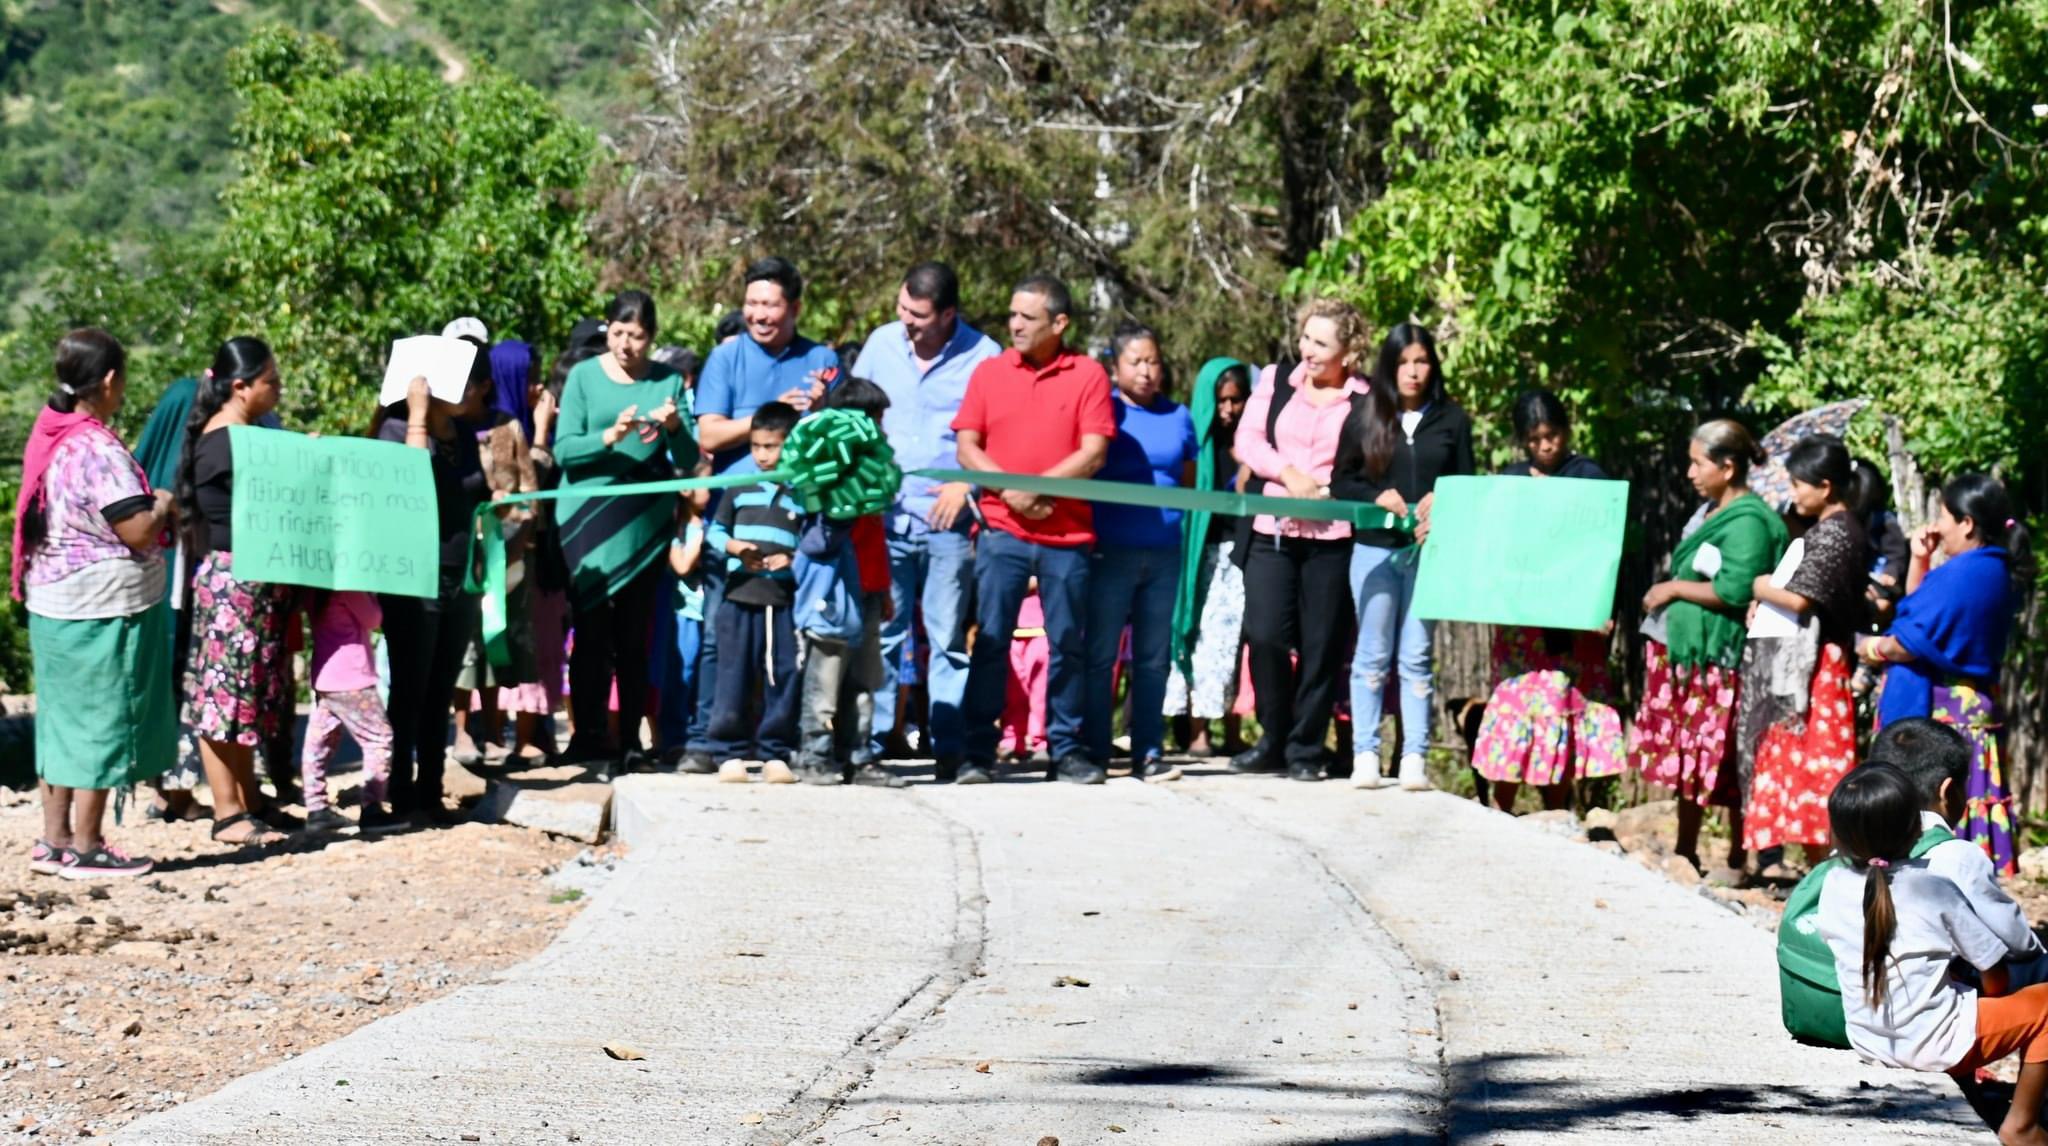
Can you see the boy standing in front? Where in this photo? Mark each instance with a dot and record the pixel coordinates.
(756, 530)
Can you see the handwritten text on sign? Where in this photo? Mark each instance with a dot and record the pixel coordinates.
(334, 513)
(1523, 551)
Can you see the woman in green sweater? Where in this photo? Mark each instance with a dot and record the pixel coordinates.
(624, 419)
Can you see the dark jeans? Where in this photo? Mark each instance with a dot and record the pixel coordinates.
(424, 638)
(1297, 600)
(1003, 568)
(699, 736)
(612, 640)
(1132, 587)
(757, 651)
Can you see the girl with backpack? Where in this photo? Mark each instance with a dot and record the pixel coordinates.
(1894, 928)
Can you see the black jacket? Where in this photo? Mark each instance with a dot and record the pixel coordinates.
(1440, 447)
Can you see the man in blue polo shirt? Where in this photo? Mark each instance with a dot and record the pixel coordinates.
(770, 363)
(922, 361)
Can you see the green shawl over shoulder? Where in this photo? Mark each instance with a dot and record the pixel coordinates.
(1751, 539)
(1194, 524)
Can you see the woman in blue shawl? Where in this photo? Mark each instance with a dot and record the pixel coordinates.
(1944, 647)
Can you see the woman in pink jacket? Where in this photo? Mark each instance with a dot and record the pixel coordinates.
(1298, 614)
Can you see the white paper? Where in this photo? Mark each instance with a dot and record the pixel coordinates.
(444, 362)
(1772, 621)
(1707, 560)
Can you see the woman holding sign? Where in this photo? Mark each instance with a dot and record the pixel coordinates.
(1394, 448)
(236, 694)
(1796, 723)
(622, 422)
(1696, 633)
(1943, 650)
(88, 563)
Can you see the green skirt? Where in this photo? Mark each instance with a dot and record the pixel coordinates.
(104, 716)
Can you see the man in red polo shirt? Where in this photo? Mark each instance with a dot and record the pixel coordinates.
(1037, 408)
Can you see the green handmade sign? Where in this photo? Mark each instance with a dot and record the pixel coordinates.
(1523, 551)
(334, 513)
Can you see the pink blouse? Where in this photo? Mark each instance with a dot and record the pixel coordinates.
(342, 658)
(1305, 438)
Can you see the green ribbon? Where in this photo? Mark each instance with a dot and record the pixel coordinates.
(838, 464)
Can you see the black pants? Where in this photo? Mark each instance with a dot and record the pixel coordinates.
(425, 638)
(754, 715)
(612, 639)
(1297, 600)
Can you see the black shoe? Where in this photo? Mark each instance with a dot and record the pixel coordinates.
(875, 776)
(327, 820)
(632, 760)
(1305, 771)
(1256, 760)
(946, 769)
(375, 821)
(697, 763)
(1155, 770)
(437, 815)
(1078, 769)
(972, 773)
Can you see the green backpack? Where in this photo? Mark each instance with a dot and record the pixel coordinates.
(1809, 992)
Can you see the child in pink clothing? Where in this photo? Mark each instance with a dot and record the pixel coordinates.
(1030, 661)
(345, 696)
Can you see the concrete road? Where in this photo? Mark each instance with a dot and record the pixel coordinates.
(1224, 960)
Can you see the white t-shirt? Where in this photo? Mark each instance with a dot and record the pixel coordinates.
(1965, 865)
(1928, 1020)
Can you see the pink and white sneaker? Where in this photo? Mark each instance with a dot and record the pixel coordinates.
(45, 859)
(104, 862)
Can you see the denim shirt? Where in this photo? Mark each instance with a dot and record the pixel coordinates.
(919, 421)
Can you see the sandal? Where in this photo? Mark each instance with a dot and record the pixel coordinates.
(261, 835)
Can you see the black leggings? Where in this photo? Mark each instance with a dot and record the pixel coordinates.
(425, 638)
(612, 639)
(1297, 599)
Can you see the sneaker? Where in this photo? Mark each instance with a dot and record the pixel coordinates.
(1365, 771)
(104, 862)
(1307, 771)
(973, 773)
(1078, 769)
(1155, 770)
(1256, 760)
(45, 858)
(1414, 773)
(697, 763)
(875, 776)
(733, 772)
(323, 820)
(777, 772)
(374, 821)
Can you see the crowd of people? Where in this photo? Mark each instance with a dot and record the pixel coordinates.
(966, 623)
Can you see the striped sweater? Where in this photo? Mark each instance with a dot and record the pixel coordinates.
(771, 519)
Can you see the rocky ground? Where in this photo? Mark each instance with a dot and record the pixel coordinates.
(123, 997)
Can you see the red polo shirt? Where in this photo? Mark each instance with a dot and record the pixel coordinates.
(1028, 421)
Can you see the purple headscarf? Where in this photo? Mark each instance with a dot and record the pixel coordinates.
(511, 369)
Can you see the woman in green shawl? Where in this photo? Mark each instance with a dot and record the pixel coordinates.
(1696, 630)
(624, 421)
(1208, 607)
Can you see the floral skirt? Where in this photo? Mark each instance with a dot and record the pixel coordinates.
(1800, 760)
(238, 685)
(1207, 693)
(1681, 738)
(1540, 729)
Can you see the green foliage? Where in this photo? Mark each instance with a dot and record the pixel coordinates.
(379, 203)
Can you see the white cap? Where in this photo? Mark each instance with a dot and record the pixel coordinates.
(468, 326)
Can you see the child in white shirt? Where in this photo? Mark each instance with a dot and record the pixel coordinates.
(1894, 926)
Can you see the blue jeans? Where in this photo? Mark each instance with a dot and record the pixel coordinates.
(932, 573)
(1134, 586)
(1003, 568)
(1383, 589)
(707, 653)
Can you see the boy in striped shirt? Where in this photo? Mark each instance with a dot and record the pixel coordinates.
(757, 528)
